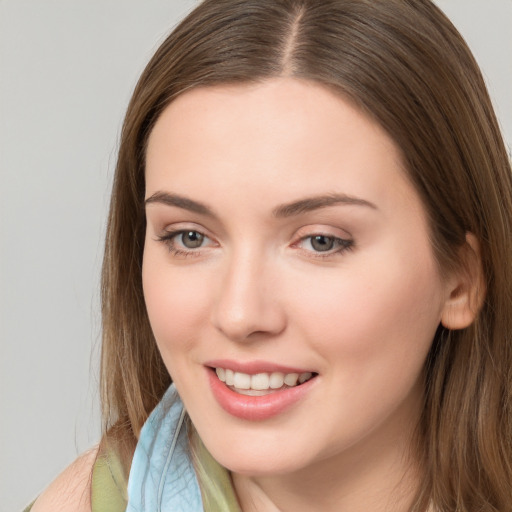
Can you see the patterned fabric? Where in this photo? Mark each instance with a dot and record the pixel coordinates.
(162, 477)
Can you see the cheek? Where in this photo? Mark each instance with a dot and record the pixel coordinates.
(380, 311)
(176, 302)
(372, 328)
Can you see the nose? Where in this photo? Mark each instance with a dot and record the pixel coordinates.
(248, 305)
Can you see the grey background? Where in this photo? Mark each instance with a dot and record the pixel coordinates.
(67, 69)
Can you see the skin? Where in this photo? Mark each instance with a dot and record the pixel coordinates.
(362, 317)
(70, 491)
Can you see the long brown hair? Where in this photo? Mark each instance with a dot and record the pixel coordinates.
(403, 63)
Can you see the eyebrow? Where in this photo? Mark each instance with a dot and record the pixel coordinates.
(285, 210)
(316, 202)
(180, 202)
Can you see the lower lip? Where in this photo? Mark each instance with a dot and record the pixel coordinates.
(256, 408)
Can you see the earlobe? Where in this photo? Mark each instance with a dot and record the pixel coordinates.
(467, 289)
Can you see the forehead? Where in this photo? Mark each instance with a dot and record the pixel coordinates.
(300, 108)
(283, 137)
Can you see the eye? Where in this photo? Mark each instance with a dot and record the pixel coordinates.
(185, 242)
(322, 243)
(325, 245)
(191, 239)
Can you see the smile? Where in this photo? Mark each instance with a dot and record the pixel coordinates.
(261, 383)
(259, 395)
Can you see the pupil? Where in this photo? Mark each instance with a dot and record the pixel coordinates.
(192, 239)
(322, 243)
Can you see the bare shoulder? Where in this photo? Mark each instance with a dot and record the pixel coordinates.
(70, 491)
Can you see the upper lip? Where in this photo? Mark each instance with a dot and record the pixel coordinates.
(254, 367)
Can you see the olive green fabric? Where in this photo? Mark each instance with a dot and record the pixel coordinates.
(217, 488)
(109, 484)
(29, 508)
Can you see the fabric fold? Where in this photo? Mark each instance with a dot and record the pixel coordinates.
(162, 477)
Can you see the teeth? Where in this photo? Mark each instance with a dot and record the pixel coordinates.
(276, 380)
(303, 377)
(261, 381)
(242, 381)
(291, 379)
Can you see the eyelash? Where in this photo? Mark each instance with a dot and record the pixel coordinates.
(168, 238)
(342, 245)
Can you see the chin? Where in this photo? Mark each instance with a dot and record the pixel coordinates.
(249, 459)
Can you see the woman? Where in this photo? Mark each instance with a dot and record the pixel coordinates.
(308, 236)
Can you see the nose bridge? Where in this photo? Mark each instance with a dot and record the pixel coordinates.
(247, 301)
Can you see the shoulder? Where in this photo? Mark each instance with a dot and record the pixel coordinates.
(71, 490)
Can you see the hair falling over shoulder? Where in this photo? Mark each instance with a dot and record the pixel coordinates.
(403, 63)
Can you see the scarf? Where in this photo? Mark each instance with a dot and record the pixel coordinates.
(162, 477)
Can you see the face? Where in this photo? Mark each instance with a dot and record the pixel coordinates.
(288, 275)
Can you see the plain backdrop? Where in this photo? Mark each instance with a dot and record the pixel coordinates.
(67, 69)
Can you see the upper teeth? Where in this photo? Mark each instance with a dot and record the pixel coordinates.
(261, 381)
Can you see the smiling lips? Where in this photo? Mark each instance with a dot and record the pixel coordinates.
(262, 383)
(258, 396)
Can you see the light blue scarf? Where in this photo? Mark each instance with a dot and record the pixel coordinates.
(162, 478)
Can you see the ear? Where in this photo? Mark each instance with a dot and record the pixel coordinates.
(466, 292)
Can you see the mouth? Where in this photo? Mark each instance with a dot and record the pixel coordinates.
(259, 395)
(263, 383)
